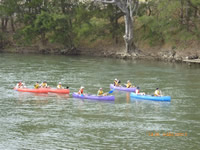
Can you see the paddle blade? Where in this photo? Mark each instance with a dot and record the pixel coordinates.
(111, 91)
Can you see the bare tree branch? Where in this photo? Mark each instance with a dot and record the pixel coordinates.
(128, 7)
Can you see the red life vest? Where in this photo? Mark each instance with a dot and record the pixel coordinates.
(19, 84)
(80, 91)
(137, 91)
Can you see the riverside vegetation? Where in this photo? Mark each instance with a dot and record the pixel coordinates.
(162, 29)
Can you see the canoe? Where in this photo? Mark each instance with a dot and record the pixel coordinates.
(40, 90)
(94, 97)
(60, 91)
(121, 88)
(150, 97)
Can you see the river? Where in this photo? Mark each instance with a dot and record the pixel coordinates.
(51, 121)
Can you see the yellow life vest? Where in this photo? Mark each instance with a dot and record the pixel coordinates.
(59, 86)
(157, 93)
(128, 85)
(36, 86)
(44, 84)
(116, 83)
(99, 93)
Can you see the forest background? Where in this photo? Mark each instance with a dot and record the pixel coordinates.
(162, 28)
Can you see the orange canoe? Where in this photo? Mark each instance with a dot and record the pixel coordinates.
(60, 91)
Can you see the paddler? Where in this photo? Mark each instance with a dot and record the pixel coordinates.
(117, 82)
(128, 85)
(59, 86)
(100, 92)
(80, 92)
(157, 92)
(44, 84)
(37, 85)
(137, 91)
(20, 85)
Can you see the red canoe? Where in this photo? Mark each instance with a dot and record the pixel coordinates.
(40, 90)
(60, 91)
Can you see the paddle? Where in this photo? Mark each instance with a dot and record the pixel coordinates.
(111, 91)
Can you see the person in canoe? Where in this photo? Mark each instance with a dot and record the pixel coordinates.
(157, 92)
(100, 92)
(117, 82)
(137, 91)
(59, 86)
(80, 92)
(37, 85)
(44, 84)
(20, 85)
(128, 85)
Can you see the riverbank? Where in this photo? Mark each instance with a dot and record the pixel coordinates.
(102, 49)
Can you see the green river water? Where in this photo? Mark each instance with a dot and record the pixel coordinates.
(51, 121)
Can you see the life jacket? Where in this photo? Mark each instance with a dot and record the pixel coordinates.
(44, 85)
(59, 86)
(137, 91)
(36, 86)
(157, 93)
(80, 91)
(128, 85)
(20, 84)
(116, 83)
(100, 93)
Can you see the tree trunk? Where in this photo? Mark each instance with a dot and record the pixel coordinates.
(4, 23)
(43, 39)
(182, 11)
(128, 37)
(187, 17)
(128, 7)
(12, 24)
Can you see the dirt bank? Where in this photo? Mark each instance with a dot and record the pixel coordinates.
(102, 49)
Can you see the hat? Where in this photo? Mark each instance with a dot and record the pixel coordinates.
(100, 88)
(138, 87)
(115, 78)
(128, 81)
(157, 88)
(59, 83)
(82, 87)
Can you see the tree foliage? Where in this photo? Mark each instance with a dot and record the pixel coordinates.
(67, 22)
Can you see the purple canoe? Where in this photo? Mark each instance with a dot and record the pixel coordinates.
(94, 97)
(121, 88)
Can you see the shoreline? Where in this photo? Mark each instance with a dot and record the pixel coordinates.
(166, 55)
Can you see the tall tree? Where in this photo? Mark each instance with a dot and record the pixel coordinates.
(128, 7)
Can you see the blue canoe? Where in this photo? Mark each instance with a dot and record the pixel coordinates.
(150, 97)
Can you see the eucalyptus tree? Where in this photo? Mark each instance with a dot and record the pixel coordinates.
(8, 10)
(129, 8)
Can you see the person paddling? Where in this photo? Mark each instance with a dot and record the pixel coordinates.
(128, 85)
(44, 84)
(59, 86)
(100, 92)
(20, 85)
(157, 92)
(137, 91)
(117, 82)
(80, 92)
(37, 85)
